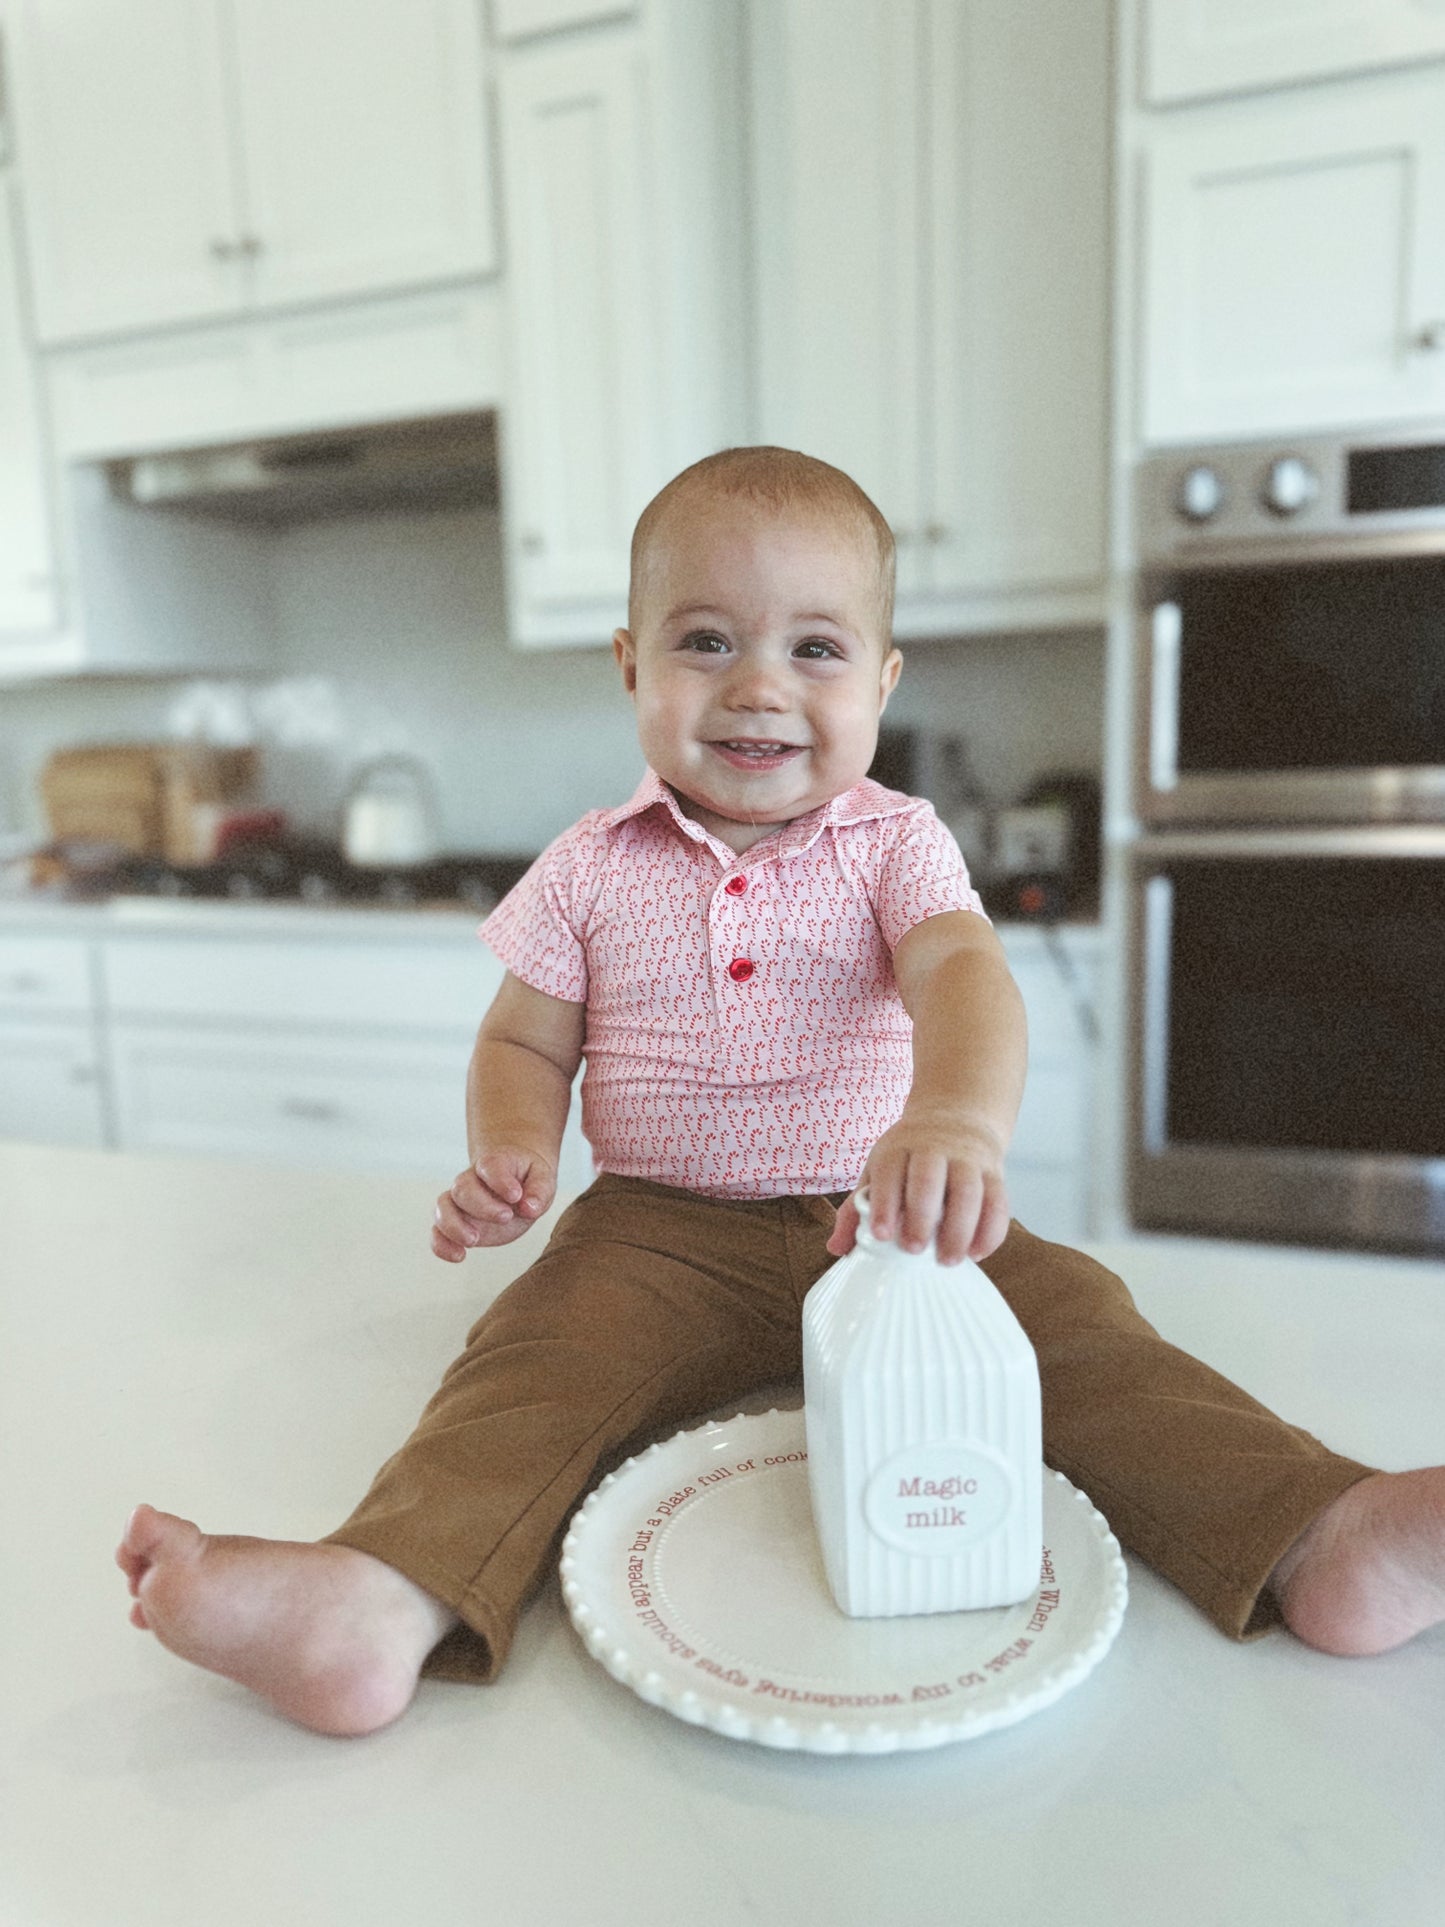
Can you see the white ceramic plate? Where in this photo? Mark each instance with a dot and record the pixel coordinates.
(693, 1574)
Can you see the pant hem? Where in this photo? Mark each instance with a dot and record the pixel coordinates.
(472, 1652)
(1236, 1600)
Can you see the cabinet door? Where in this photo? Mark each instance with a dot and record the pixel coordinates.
(365, 146)
(585, 444)
(837, 212)
(625, 290)
(1049, 1171)
(1018, 260)
(50, 1085)
(1294, 261)
(1226, 46)
(123, 137)
(359, 1102)
(28, 599)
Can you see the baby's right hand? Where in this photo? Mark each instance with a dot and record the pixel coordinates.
(494, 1201)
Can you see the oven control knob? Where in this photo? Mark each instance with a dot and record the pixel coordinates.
(1290, 484)
(1201, 493)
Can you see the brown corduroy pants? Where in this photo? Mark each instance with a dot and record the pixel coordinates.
(651, 1306)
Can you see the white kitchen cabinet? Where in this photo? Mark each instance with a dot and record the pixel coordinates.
(52, 1087)
(1294, 261)
(29, 596)
(1051, 1165)
(326, 1100)
(930, 196)
(325, 1051)
(189, 159)
(1229, 46)
(622, 171)
(315, 1050)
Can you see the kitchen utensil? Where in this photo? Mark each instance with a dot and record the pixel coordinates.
(140, 797)
(390, 816)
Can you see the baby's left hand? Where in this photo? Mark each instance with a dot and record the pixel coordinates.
(932, 1177)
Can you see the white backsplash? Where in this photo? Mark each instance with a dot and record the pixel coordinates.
(391, 636)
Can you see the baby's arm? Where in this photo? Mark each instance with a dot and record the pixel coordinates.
(518, 1088)
(939, 1170)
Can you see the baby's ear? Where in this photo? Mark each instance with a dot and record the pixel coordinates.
(625, 650)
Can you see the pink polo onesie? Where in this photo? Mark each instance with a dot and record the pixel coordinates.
(745, 1037)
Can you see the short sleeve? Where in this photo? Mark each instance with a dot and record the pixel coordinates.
(922, 875)
(537, 928)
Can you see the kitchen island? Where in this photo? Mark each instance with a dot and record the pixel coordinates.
(244, 1344)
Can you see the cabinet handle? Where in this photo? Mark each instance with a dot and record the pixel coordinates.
(1430, 339)
(531, 543)
(936, 532)
(223, 250)
(22, 983)
(250, 245)
(314, 1110)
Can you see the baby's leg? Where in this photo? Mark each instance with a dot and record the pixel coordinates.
(1253, 1518)
(649, 1307)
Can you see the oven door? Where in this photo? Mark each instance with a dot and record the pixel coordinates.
(1305, 683)
(1288, 1036)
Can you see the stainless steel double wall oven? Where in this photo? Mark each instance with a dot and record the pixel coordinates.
(1288, 972)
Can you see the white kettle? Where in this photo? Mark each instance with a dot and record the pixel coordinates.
(390, 815)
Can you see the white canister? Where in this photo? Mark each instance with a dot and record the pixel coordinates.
(925, 1453)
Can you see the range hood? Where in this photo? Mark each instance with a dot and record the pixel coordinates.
(445, 462)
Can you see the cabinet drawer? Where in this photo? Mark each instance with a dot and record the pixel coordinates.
(394, 984)
(1056, 1033)
(50, 1084)
(1050, 1128)
(44, 974)
(328, 1101)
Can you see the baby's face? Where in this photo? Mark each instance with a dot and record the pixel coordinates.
(759, 665)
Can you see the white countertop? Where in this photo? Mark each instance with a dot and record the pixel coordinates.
(217, 917)
(245, 1346)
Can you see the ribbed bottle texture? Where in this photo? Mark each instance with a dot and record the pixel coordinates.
(924, 1439)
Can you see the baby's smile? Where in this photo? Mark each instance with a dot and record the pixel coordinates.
(748, 752)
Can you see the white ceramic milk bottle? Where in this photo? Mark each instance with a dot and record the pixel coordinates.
(924, 1443)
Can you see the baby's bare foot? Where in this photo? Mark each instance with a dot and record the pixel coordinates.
(332, 1637)
(1370, 1572)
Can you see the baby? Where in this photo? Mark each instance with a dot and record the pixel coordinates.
(784, 988)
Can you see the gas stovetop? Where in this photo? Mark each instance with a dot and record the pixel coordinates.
(316, 873)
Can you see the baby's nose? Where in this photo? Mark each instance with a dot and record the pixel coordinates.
(756, 685)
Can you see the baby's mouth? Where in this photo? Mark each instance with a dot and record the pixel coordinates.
(749, 752)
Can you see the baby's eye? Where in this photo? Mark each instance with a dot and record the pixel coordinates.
(817, 649)
(704, 641)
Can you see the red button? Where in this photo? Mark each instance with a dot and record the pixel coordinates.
(740, 970)
(735, 886)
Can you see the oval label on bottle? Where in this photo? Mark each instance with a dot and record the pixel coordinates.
(939, 1498)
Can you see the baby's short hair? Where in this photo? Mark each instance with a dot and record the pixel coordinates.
(781, 479)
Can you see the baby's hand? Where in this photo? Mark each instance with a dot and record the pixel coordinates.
(494, 1201)
(931, 1178)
